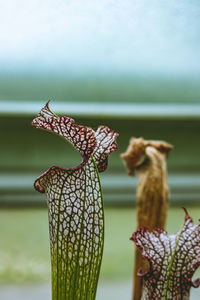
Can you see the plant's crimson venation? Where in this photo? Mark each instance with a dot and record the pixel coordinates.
(81, 137)
(159, 248)
(76, 230)
(75, 207)
(106, 144)
(100, 143)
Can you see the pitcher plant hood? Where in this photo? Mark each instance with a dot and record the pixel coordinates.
(100, 144)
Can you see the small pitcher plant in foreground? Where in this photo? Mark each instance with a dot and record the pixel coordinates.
(149, 159)
(75, 207)
(172, 261)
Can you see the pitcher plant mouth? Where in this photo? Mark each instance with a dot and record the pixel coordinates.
(172, 259)
(75, 207)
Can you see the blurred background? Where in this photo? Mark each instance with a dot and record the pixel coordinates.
(133, 65)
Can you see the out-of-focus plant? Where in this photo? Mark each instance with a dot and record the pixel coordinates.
(75, 207)
(149, 159)
(172, 261)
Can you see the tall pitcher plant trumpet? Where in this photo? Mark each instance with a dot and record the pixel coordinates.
(75, 207)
